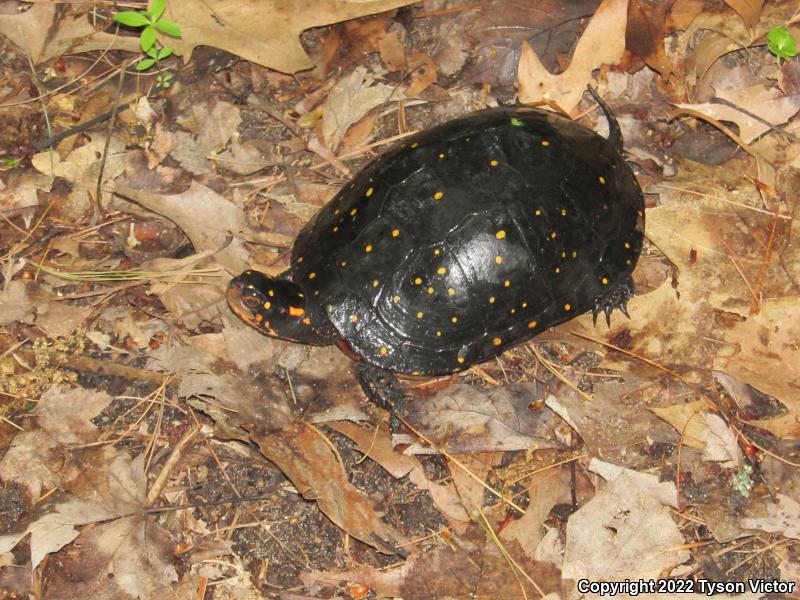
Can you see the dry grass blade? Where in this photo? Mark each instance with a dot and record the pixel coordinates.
(126, 275)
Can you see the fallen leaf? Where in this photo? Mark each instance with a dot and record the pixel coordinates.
(349, 100)
(664, 491)
(749, 10)
(688, 420)
(783, 518)
(266, 33)
(621, 533)
(543, 494)
(602, 42)
(209, 132)
(645, 33)
(721, 444)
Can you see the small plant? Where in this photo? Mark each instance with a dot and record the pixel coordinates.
(153, 24)
(781, 43)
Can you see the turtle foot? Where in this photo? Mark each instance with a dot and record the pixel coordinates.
(617, 298)
(383, 389)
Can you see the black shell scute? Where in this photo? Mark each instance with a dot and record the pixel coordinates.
(471, 237)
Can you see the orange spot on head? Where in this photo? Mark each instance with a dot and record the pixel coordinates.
(496, 341)
(296, 311)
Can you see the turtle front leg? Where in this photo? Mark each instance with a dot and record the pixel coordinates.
(382, 388)
(617, 298)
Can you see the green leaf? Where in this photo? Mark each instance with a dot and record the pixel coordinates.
(781, 43)
(169, 27)
(152, 52)
(131, 18)
(156, 9)
(164, 53)
(148, 38)
(145, 64)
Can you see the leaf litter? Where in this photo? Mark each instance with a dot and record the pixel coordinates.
(153, 445)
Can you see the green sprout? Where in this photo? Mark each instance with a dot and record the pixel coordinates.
(781, 43)
(9, 163)
(742, 482)
(153, 24)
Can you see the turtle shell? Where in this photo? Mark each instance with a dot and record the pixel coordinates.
(471, 237)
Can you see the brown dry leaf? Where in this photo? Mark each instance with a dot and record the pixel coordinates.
(543, 493)
(688, 420)
(749, 10)
(82, 168)
(471, 567)
(646, 30)
(783, 518)
(603, 42)
(306, 458)
(209, 132)
(16, 303)
(467, 473)
(350, 99)
(266, 33)
(64, 419)
(208, 220)
(464, 419)
(768, 103)
(60, 319)
(622, 533)
(46, 31)
(393, 50)
(377, 445)
(423, 72)
(664, 491)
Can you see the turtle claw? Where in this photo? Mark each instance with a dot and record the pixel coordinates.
(618, 298)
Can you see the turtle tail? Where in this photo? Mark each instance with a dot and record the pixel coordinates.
(614, 131)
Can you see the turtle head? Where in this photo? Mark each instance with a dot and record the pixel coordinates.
(276, 307)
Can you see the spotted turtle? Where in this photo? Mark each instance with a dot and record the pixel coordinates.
(464, 240)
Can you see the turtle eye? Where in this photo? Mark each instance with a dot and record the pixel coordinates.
(251, 302)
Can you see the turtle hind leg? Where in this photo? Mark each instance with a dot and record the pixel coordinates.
(383, 389)
(616, 298)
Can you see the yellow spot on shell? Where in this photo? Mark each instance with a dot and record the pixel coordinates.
(506, 283)
(492, 299)
(438, 195)
(418, 280)
(460, 359)
(300, 259)
(532, 324)
(563, 212)
(368, 248)
(375, 283)
(601, 179)
(494, 163)
(415, 144)
(558, 269)
(553, 234)
(353, 212)
(567, 307)
(430, 290)
(538, 213)
(604, 280)
(513, 311)
(267, 305)
(420, 314)
(395, 299)
(498, 259)
(574, 254)
(271, 293)
(451, 292)
(524, 305)
(438, 333)
(353, 319)
(369, 192)
(454, 320)
(500, 234)
(343, 263)
(337, 211)
(335, 228)
(496, 342)
(627, 245)
(384, 350)
(545, 143)
(395, 232)
(312, 275)
(441, 270)
(442, 155)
